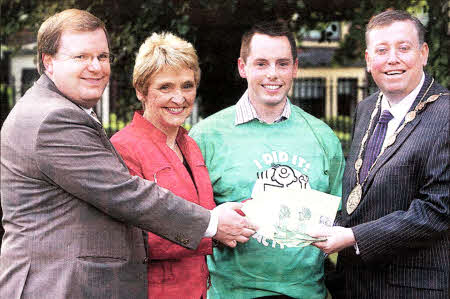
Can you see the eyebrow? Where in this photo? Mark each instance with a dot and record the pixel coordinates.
(173, 83)
(277, 60)
(397, 42)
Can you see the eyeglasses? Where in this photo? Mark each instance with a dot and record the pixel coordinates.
(85, 59)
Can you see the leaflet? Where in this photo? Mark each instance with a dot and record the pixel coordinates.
(284, 215)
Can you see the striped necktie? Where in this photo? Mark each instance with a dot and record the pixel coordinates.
(375, 143)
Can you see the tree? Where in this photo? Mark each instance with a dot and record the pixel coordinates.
(352, 48)
(437, 36)
(215, 29)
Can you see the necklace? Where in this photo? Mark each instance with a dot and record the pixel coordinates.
(355, 195)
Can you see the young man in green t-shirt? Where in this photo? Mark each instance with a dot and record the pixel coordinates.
(265, 143)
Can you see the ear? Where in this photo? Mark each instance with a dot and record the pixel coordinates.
(424, 50)
(241, 68)
(48, 63)
(140, 96)
(368, 64)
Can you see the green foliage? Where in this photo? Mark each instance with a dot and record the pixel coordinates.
(342, 127)
(114, 123)
(340, 121)
(6, 100)
(27, 16)
(187, 126)
(438, 41)
(352, 47)
(215, 29)
(7, 94)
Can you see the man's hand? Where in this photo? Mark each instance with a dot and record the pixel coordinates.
(338, 238)
(232, 227)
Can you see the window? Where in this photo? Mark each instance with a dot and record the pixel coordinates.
(347, 93)
(331, 32)
(29, 76)
(309, 94)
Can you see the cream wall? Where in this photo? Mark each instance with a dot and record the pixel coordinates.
(18, 63)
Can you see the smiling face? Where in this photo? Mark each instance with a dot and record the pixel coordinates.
(170, 98)
(81, 82)
(269, 70)
(395, 59)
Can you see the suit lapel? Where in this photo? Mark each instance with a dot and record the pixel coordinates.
(401, 137)
(47, 83)
(361, 127)
(107, 142)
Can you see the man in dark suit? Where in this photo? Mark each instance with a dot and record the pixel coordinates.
(393, 239)
(72, 213)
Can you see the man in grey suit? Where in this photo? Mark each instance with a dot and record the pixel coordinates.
(72, 213)
(393, 239)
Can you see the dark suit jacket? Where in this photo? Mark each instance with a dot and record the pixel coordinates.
(71, 210)
(401, 224)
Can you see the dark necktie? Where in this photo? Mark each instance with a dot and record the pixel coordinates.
(375, 142)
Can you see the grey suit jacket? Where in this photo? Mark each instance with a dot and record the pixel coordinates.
(72, 213)
(401, 224)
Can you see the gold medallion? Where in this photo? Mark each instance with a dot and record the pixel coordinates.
(433, 98)
(420, 106)
(354, 198)
(410, 116)
(391, 140)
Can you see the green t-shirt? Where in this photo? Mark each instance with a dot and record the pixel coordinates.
(242, 157)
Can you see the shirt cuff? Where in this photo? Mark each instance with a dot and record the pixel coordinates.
(356, 249)
(212, 226)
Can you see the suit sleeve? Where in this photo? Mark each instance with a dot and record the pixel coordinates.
(159, 248)
(338, 220)
(427, 218)
(73, 156)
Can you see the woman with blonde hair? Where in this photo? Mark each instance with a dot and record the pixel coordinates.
(155, 147)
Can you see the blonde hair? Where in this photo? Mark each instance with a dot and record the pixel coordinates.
(50, 31)
(162, 50)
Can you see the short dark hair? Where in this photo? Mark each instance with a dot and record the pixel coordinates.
(50, 32)
(390, 16)
(271, 28)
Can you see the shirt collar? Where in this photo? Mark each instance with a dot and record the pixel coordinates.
(400, 109)
(141, 123)
(48, 83)
(87, 110)
(245, 111)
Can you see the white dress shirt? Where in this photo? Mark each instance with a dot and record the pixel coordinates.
(399, 109)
